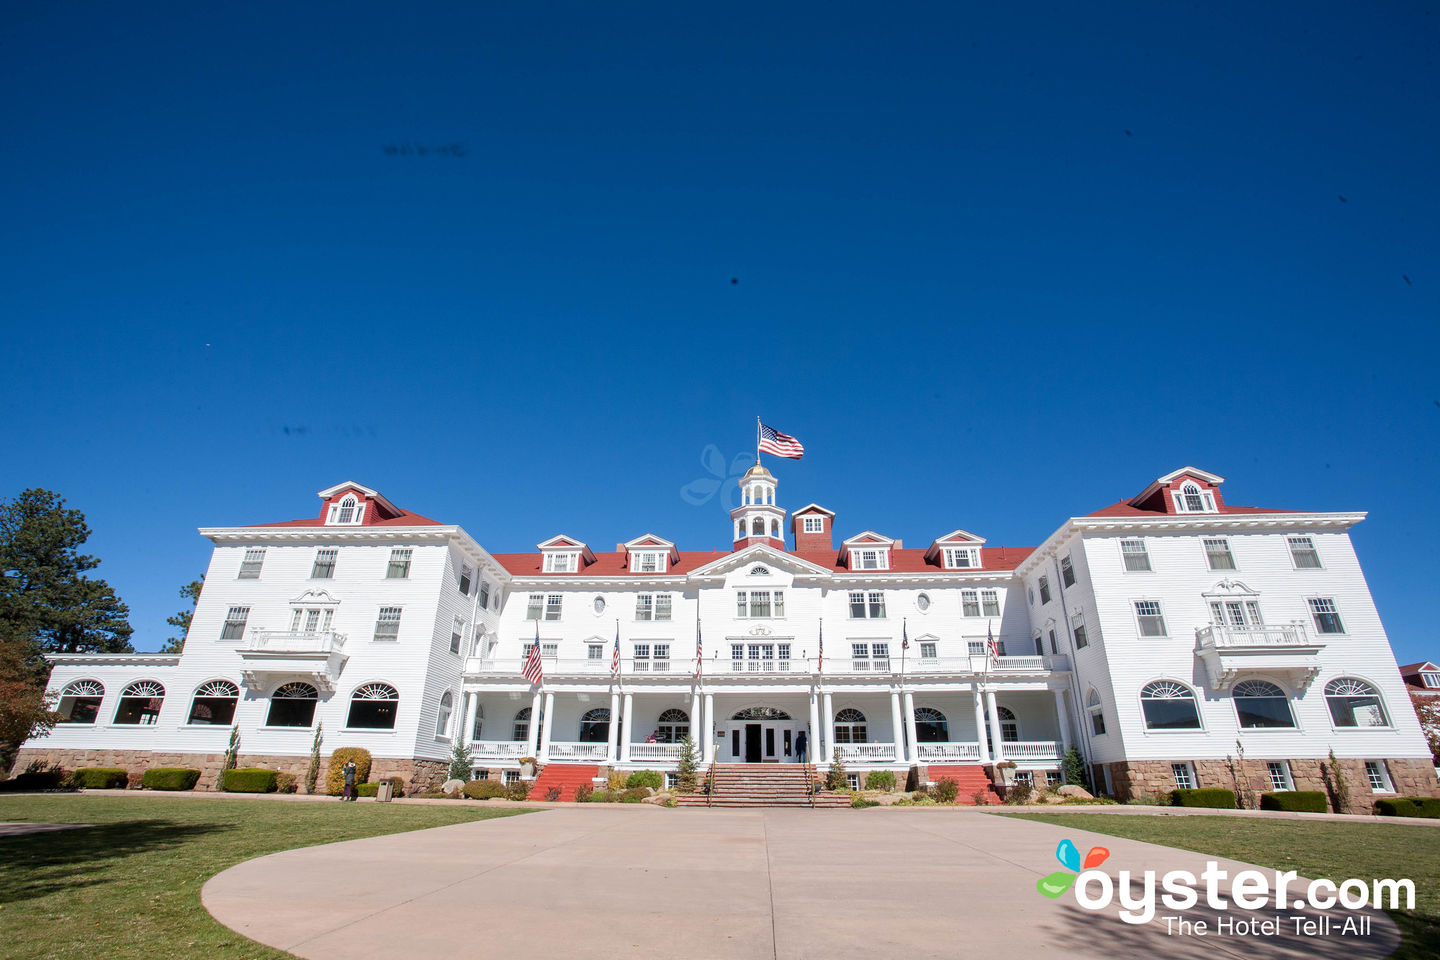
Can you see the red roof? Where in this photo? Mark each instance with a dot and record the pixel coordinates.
(1125, 508)
(901, 561)
(405, 519)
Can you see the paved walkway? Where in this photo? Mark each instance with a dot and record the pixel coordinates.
(596, 882)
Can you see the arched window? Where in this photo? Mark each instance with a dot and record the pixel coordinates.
(1009, 726)
(1096, 708)
(757, 527)
(759, 571)
(1169, 705)
(595, 725)
(1260, 704)
(80, 701)
(674, 725)
(347, 510)
(214, 703)
(521, 730)
(292, 705)
(140, 703)
(442, 716)
(931, 726)
(373, 707)
(1354, 703)
(1191, 499)
(850, 726)
(775, 529)
(761, 713)
(1193, 503)
(479, 720)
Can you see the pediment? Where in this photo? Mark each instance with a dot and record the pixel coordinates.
(320, 597)
(760, 553)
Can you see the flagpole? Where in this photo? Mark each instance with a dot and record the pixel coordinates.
(757, 441)
(904, 646)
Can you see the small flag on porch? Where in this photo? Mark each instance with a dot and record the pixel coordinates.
(820, 664)
(990, 645)
(780, 444)
(533, 672)
(615, 657)
(699, 649)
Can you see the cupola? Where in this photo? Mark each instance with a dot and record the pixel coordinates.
(758, 519)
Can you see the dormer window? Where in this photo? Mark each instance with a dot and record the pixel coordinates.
(869, 560)
(1191, 499)
(1431, 679)
(813, 524)
(648, 561)
(962, 558)
(348, 512)
(562, 562)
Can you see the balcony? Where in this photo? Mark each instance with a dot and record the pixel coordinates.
(1229, 652)
(806, 668)
(316, 657)
(497, 749)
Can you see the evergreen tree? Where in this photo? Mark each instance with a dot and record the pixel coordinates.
(181, 620)
(460, 761)
(24, 709)
(687, 778)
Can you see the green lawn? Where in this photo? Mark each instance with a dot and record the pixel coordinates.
(129, 886)
(1313, 848)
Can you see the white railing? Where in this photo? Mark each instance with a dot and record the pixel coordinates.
(564, 750)
(977, 665)
(1222, 636)
(1030, 750)
(757, 667)
(865, 751)
(497, 749)
(287, 641)
(655, 751)
(949, 751)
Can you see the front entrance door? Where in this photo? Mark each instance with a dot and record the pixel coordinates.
(752, 743)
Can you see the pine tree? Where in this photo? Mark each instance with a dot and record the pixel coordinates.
(181, 620)
(1072, 765)
(312, 772)
(460, 761)
(686, 778)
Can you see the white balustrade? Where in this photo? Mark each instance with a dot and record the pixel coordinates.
(497, 749)
(669, 752)
(286, 641)
(1030, 750)
(975, 665)
(949, 751)
(566, 750)
(1222, 636)
(863, 752)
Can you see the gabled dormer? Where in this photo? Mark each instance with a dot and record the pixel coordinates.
(813, 527)
(957, 550)
(564, 554)
(867, 551)
(1187, 490)
(350, 504)
(650, 554)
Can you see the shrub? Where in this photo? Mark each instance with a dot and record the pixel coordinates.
(634, 794)
(39, 775)
(616, 781)
(601, 796)
(646, 778)
(687, 779)
(1426, 807)
(1018, 793)
(101, 778)
(312, 769)
(397, 784)
(981, 797)
(367, 789)
(920, 795)
(286, 782)
(460, 761)
(835, 778)
(880, 780)
(552, 794)
(1295, 801)
(484, 789)
(1217, 798)
(248, 780)
(519, 790)
(1072, 768)
(170, 778)
(335, 775)
(136, 779)
(858, 802)
(582, 792)
(946, 789)
(1090, 801)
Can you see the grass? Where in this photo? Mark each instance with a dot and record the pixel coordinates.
(129, 886)
(1313, 848)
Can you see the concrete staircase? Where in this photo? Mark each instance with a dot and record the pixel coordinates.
(566, 776)
(971, 777)
(763, 785)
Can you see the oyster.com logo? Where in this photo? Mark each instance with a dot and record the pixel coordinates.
(1068, 854)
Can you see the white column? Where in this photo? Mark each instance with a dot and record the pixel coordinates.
(896, 724)
(829, 727)
(980, 722)
(548, 732)
(612, 735)
(534, 729)
(625, 732)
(707, 730)
(994, 726)
(1062, 718)
(812, 737)
(695, 715)
(913, 753)
(467, 719)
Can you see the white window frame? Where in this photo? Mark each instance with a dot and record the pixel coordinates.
(553, 604)
(236, 618)
(969, 603)
(457, 636)
(1279, 773)
(467, 579)
(561, 561)
(1044, 584)
(1184, 773)
(398, 566)
(1143, 555)
(1430, 679)
(1306, 544)
(1078, 631)
(1067, 571)
(443, 712)
(387, 616)
(1227, 551)
(653, 606)
(962, 558)
(357, 516)
(1153, 612)
(927, 650)
(251, 564)
(1315, 605)
(1378, 775)
(1189, 489)
(649, 561)
(990, 603)
(869, 558)
(1095, 707)
(325, 559)
(811, 523)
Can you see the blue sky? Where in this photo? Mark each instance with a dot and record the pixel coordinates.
(995, 268)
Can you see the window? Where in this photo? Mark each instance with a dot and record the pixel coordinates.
(310, 619)
(324, 568)
(1261, 705)
(922, 602)
(850, 726)
(813, 524)
(552, 606)
(595, 651)
(1302, 552)
(1067, 572)
(80, 701)
(140, 703)
(1279, 772)
(234, 627)
(1218, 555)
(961, 558)
(648, 561)
(1152, 621)
(1378, 776)
(970, 603)
(990, 603)
(485, 595)
(535, 604)
(759, 603)
(1136, 557)
(1236, 613)
(442, 715)
(387, 624)
(1096, 710)
(348, 511)
(373, 707)
(595, 725)
(652, 606)
(292, 705)
(1184, 775)
(652, 657)
(547, 651)
(1077, 627)
(1030, 591)
(867, 605)
(869, 560)
(457, 632)
(1327, 618)
(465, 575)
(562, 562)
(1009, 727)
(1054, 648)
(1191, 499)
(399, 568)
(521, 729)
(674, 726)
(1169, 705)
(476, 723)
(931, 726)
(1430, 679)
(1354, 703)
(927, 650)
(1044, 590)
(250, 566)
(214, 703)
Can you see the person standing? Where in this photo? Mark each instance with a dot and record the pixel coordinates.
(349, 771)
(801, 742)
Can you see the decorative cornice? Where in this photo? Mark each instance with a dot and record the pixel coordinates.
(115, 659)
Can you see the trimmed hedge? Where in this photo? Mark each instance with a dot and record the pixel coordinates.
(1216, 798)
(38, 776)
(645, 778)
(1295, 801)
(170, 778)
(373, 789)
(602, 796)
(250, 780)
(485, 790)
(880, 780)
(335, 775)
(1426, 807)
(519, 790)
(634, 794)
(101, 778)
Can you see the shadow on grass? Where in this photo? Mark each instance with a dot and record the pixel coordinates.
(39, 864)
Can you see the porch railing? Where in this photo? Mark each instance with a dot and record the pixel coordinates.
(862, 752)
(1030, 750)
(567, 750)
(957, 750)
(795, 666)
(669, 752)
(497, 749)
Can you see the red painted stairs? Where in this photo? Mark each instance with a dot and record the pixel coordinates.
(763, 785)
(972, 779)
(566, 776)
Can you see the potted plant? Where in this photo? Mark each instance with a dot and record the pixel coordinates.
(1005, 772)
(527, 768)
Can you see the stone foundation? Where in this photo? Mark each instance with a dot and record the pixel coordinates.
(419, 774)
(1249, 778)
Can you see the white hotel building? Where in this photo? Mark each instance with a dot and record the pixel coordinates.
(1171, 638)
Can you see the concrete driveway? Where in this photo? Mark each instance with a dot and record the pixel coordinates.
(605, 882)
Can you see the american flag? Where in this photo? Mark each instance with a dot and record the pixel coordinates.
(615, 657)
(533, 671)
(780, 444)
(699, 649)
(990, 645)
(820, 665)
(904, 636)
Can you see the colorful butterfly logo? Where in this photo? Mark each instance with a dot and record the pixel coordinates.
(1069, 857)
